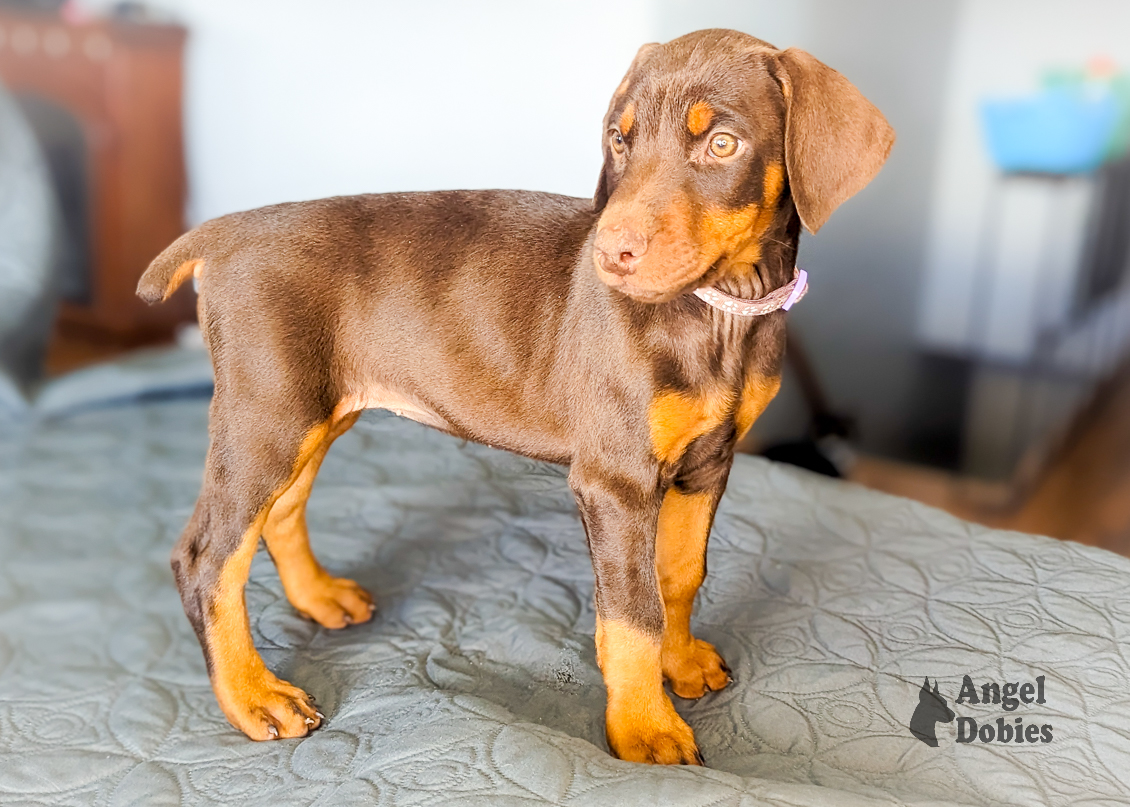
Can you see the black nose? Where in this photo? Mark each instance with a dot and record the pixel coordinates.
(619, 249)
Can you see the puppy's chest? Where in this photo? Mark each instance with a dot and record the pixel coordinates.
(676, 418)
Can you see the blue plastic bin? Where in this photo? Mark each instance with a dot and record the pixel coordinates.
(1055, 132)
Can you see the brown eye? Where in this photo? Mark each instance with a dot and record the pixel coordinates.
(617, 141)
(723, 145)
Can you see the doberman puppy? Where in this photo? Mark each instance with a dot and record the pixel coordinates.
(559, 328)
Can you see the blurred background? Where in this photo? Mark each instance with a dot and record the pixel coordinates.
(966, 338)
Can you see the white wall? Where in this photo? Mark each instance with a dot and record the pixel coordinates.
(297, 99)
(992, 291)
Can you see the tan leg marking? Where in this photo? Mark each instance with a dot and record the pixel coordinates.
(757, 393)
(253, 699)
(692, 666)
(332, 602)
(640, 722)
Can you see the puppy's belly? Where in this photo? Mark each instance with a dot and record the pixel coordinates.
(378, 397)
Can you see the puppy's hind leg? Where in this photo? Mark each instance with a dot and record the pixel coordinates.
(332, 602)
(251, 461)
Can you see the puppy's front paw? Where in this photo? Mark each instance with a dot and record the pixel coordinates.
(695, 669)
(334, 602)
(655, 735)
(265, 708)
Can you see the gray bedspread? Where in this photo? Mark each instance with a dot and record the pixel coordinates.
(476, 682)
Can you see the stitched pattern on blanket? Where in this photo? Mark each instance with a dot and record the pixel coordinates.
(477, 678)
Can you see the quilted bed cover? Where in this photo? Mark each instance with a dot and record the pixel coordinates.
(476, 682)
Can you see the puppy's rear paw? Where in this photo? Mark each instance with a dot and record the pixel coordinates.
(695, 669)
(334, 602)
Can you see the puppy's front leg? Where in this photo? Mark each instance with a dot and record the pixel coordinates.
(620, 517)
(691, 665)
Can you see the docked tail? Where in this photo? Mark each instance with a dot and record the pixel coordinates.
(171, 268)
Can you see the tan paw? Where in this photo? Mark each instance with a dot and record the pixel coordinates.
(655, 736)
(266, 708)
(695, 669)
(334, 602)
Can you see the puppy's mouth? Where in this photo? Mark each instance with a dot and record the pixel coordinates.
(637, 286)
(651, 264)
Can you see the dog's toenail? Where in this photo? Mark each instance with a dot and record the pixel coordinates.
(274, 732)
(309, 721)
(320, 715)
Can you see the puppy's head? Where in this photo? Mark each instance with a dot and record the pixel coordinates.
(706, 139)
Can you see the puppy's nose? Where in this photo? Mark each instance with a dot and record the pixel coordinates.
(619, 249)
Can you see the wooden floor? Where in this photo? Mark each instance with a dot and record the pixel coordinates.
(1081, 494)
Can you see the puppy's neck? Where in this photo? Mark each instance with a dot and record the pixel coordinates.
(765, 268)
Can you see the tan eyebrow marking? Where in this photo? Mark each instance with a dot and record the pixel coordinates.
(627, 118)
(699, 117)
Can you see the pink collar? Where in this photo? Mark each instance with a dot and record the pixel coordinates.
(783, 298)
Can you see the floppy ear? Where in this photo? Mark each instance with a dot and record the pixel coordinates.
(835, 139)
(600, 198)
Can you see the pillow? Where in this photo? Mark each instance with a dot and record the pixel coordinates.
(27, 256)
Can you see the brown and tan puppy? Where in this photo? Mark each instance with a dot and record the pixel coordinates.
(558, 328)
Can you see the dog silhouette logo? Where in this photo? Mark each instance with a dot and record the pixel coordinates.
(932, 709)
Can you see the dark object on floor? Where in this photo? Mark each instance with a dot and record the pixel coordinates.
(803, 454)
(826, 443)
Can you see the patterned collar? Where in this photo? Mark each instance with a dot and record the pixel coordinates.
(783, 298)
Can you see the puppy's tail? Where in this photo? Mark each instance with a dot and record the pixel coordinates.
(171, 268)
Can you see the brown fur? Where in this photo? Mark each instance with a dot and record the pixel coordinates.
(484, 314)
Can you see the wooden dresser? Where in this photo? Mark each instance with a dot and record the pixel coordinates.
(122, 83)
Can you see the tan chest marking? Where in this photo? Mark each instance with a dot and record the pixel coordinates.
(757, 392)
(676, 420)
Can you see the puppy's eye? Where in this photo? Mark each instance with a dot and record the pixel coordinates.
(723, 145)
(617, 141)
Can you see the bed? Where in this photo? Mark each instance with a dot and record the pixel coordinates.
(476, 683)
